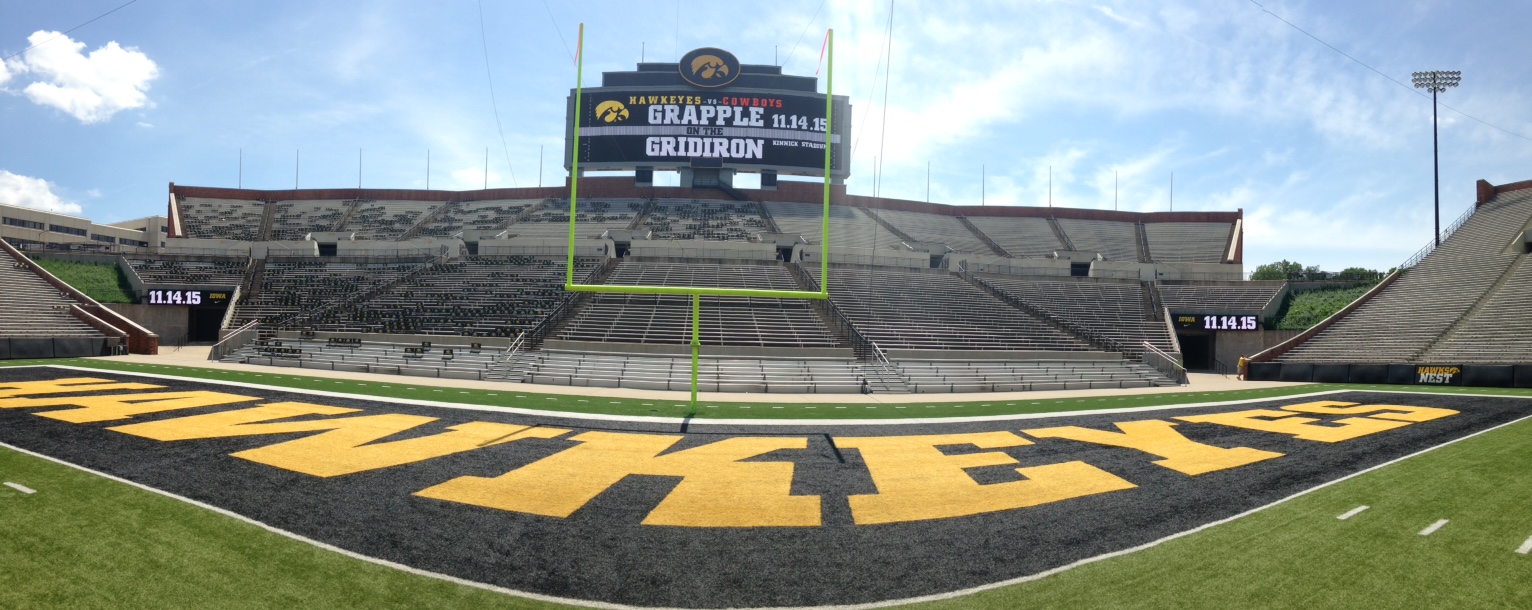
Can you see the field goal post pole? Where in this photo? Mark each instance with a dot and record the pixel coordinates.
(696, 292)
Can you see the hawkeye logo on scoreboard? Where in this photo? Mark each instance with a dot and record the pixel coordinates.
(611, 111)
(709, 68)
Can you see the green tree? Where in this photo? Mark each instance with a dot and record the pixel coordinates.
(1277, 271)
(1358, 274)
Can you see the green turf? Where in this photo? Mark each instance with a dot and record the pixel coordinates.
(515, 395)
(89, 542)
(102, 282)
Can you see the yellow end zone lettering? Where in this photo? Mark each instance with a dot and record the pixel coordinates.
(916, 481)
(343, 448)
(12, 389)
(1160, 438)
(717, 489)
(121, 406)
(1304, 428)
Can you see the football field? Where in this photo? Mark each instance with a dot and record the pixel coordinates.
(1201, 504)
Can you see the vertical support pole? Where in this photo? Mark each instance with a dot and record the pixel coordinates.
(696, 344)
(1436, 171)
(824, 239)
(574, 152)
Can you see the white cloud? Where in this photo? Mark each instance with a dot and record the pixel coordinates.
(146, 125)
(35, 193)
(91, 87)
(5, 73)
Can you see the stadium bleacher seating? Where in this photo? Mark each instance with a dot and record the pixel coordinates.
(476, 215)
(170, 269)
(1187, 242)
(221, 218)
(291, 287)
(921, 310)
(1248, 297)
(666, 319)
(937, 228)
(593, 217)
(1020, 237)
(1496, 332)
(1112, 309)
(849, 227)
(1114, 240)
(714, 374)
(925, 376)
(478, 296)
(292, 220)
(33, 308)
(383, 220)
(901, 310)
(1403, 320)
(708, 220)
(397, 358)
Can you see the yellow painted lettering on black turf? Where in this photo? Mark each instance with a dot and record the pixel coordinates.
(343, 447)
(1394, 412)
(12, 389)
(916, 481)
(121, 406)
(1302, 428)
(1160, 438)
(717, 489)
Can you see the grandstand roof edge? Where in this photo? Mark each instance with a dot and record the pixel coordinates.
(1513, 186)
(623, 187)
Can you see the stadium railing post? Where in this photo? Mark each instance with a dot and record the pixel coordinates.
(696, 344)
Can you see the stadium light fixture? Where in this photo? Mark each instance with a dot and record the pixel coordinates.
(1437, 81)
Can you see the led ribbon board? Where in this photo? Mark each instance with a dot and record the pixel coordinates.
(697, 292)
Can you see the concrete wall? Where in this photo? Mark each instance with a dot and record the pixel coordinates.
(1230, 345)
(208, 247)
(546, 246)
(809, 255)
(699, 249)
(170, 322)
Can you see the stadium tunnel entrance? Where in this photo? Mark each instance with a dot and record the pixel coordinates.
(1198, 349)
(203, 322)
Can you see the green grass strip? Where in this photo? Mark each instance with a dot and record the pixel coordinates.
(85, 542)
(102, 282)
(517, 396)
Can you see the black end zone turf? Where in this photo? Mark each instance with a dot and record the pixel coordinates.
(603, 552)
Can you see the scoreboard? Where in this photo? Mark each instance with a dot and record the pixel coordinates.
(187, 297)
(624, 128)
(1188, 321)
(708, 110)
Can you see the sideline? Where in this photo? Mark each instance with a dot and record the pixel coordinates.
(696, 423)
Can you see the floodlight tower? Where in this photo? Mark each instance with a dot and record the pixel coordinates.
(1437, 81)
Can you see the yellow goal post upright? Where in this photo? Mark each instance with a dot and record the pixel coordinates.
(697, 292)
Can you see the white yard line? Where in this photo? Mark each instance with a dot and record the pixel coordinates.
(1526, 547)
(21, 488)
(1351, 513)
(1431, 529)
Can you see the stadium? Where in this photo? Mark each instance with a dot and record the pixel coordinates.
(618, 392)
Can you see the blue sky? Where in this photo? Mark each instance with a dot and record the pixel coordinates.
(1330, 161)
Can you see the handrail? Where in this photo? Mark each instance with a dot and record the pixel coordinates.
(1174, 370)
(1432, 245)
(239, 337)
(301, 317)
(1065, 323)
(887, 367)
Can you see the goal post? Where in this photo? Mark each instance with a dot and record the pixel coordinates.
(697, 292)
